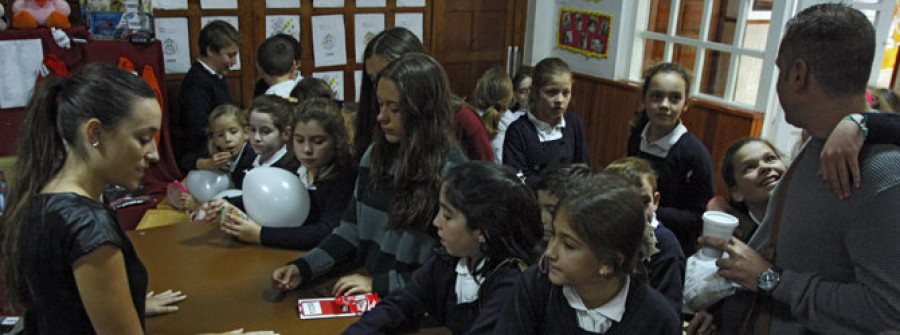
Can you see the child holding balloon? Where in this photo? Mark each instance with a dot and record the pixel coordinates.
(386, 228)
(328, 172)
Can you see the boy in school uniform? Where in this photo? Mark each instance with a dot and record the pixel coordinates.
(277, 66)
(261, 86)
(204, 88)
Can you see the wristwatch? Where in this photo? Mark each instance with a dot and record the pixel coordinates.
(861, 121)
(768, 280)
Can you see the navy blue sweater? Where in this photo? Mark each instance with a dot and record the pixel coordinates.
(433, 291)
(685, 183)
(326, 205)
(666, 268)
(539, 307)
(200, 92)
(883, 128)
(523, 150)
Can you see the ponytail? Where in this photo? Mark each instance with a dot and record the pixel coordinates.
(493, 93)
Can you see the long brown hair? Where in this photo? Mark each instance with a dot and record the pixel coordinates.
(421, 153)
(493, 92)
(58, 107)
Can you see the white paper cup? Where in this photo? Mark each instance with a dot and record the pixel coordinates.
(718, 225)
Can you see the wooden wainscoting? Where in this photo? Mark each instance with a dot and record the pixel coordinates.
(607, 108)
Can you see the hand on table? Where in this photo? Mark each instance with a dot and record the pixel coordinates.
(352, 284)
(211, 209)
(839, 160)
(244, 229)
(286, 278)
(743, 265)
(162, 303)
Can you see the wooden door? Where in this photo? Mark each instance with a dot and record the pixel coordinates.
(471, 36)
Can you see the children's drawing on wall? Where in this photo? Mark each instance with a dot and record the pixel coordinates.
(589, 35)
(283, 24)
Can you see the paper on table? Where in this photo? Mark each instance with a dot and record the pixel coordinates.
(172, 32)
(370, 3)
(283, 24)
(20, 64)
(218, 4)
(329, 40)
(411, 21)
(366, 27)
(328, 3)
(410, 3)
(233, 21)
(357, 82)
(335, 79)
(170, 4)
(282, 3)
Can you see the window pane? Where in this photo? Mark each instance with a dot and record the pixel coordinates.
(685, 55)
(689, 18)
(659, 16)
(724, 21)
(755, 35)
(715, 73)
(747, 86)
(653, 53)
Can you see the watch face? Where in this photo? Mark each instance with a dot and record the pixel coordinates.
(768, 280)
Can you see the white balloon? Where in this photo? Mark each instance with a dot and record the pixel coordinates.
(204, 184)
(275, 197)
(230, 193)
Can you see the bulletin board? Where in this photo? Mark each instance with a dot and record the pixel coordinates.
(584, 32)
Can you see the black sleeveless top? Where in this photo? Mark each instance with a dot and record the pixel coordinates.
(61, 228)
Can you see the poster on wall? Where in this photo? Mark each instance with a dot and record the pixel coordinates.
(370, 3)
(328, 3)
(170, 4)
(335, 79)
(366, 27)
(233, 21)
(584, 32)
(218, 4)
(283, 24)
(329, 40)
(172, 32)
(412, 21)
(282, 3)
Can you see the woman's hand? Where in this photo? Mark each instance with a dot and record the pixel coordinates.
(162, 303)
(352, 284)
(286, 278)
(840, 158)
(701, 324)
(244, 229)
(719, 204)
(743, 265)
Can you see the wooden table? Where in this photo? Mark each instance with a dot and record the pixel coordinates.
(227, 283)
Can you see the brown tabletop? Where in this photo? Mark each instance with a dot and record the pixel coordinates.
(227, 283)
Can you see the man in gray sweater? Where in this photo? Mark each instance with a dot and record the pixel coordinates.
(836, 267)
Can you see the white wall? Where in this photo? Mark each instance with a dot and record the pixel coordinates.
(540, 37)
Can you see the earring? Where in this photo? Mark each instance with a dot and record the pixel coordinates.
(95, 144)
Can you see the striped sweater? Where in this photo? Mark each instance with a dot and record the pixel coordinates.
(389, 255)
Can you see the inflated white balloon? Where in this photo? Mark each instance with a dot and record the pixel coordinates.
(205, 184)
(275, 197)
(231, 193)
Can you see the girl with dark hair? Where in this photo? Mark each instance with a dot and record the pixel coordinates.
(327, 171)
(584, 283)
(385, 227)
(385, 47)
(268, 132)
(549, 135)
(67, 261)
(489, 224)
(522, 88)
(682, 163)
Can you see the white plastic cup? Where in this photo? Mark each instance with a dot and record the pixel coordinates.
(718, 225)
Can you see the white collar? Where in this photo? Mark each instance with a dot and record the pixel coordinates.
(210, 69)
(655, 222)
(544, 126)
(661, 146)
(467, 285)
(600, 319)
(303, 173)
(276, 157)
(234, 160)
